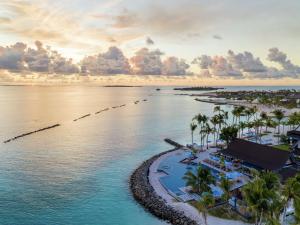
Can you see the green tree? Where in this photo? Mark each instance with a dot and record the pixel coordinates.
(207, 201)
(279, 115)
(200, 181)
(214, 121)
(291, 192)
(193, 127)
(263, 198)
(228, 134)
(225, 185)
(207, 130)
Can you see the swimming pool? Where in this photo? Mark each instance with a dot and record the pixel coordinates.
(173, 182)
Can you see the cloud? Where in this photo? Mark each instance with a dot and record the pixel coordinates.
(149, 41)
(218, 37)
(37, 60)
(20, 58)
(111, 62)
(61, 65)
(12, 57)
(245, 62)
(147, 62)
(157, 17)
(174, 66)
(281, 58)
(125, 19)
(219, 66)
(245, 65)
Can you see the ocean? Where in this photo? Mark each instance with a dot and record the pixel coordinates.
(78, 173)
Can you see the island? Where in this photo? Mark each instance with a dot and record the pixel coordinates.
(204, 88)
(286, 98)
(228, 176)
(117, 86)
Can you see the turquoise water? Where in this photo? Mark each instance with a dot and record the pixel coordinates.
(175, 171)
(78, 173)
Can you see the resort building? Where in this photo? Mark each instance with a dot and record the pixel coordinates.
(257, 156)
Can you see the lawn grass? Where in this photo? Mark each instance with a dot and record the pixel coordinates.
(224, 212)
(283, 147)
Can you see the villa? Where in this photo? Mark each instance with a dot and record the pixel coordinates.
(236, 163)
(257, 156)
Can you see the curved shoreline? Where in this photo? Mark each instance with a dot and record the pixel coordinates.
(145, 194)
(147, 190)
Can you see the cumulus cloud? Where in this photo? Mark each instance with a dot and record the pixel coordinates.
(174, 66)
(245, 65)
(62, 65)
(149, 41)
(20, 58)
(11, 57)
(245, 62)
(38, 60)
(281, 58)
(147, 62)
(111, 62)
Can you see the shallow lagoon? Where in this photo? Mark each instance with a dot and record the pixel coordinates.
(78, 173)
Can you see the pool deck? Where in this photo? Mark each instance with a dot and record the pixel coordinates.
(188, 210)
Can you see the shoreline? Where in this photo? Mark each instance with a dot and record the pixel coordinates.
(148, 191)
(260, 107)
(145, 195)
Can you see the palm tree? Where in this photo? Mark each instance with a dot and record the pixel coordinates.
(240, 112)
(193, 127)
(291, 192)
(242, 126)
(254, 111)
(200, 181)
(214, 122)
(218, 109)
(234, 113)
(279, 115)
(228, 134)
(264, 117)
(269, 123)
(257, 125)
(263, 198)
(221, 121)
(208, 130)
(201, 119)
(225, 185)
(271, 179)
(247, 114)
(204, 204)
(254, 196)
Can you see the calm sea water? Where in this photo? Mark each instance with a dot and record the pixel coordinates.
(78, 173)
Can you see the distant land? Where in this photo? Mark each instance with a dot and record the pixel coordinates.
(198, 88)
(121, 86)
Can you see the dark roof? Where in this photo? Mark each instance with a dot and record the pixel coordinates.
(287, 172)
(262, 156)
(294, 133)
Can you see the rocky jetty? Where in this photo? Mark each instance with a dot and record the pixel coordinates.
(82, 117)
(144, 193)
(103, 110)
(32, 132)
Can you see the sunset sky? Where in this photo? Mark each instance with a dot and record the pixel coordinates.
(237, 41)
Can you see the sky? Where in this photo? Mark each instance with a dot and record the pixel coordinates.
(216, 41)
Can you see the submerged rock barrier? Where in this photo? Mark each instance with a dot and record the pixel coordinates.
(103, 110)
(32, 132)
(144, 193)
(82, 117)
